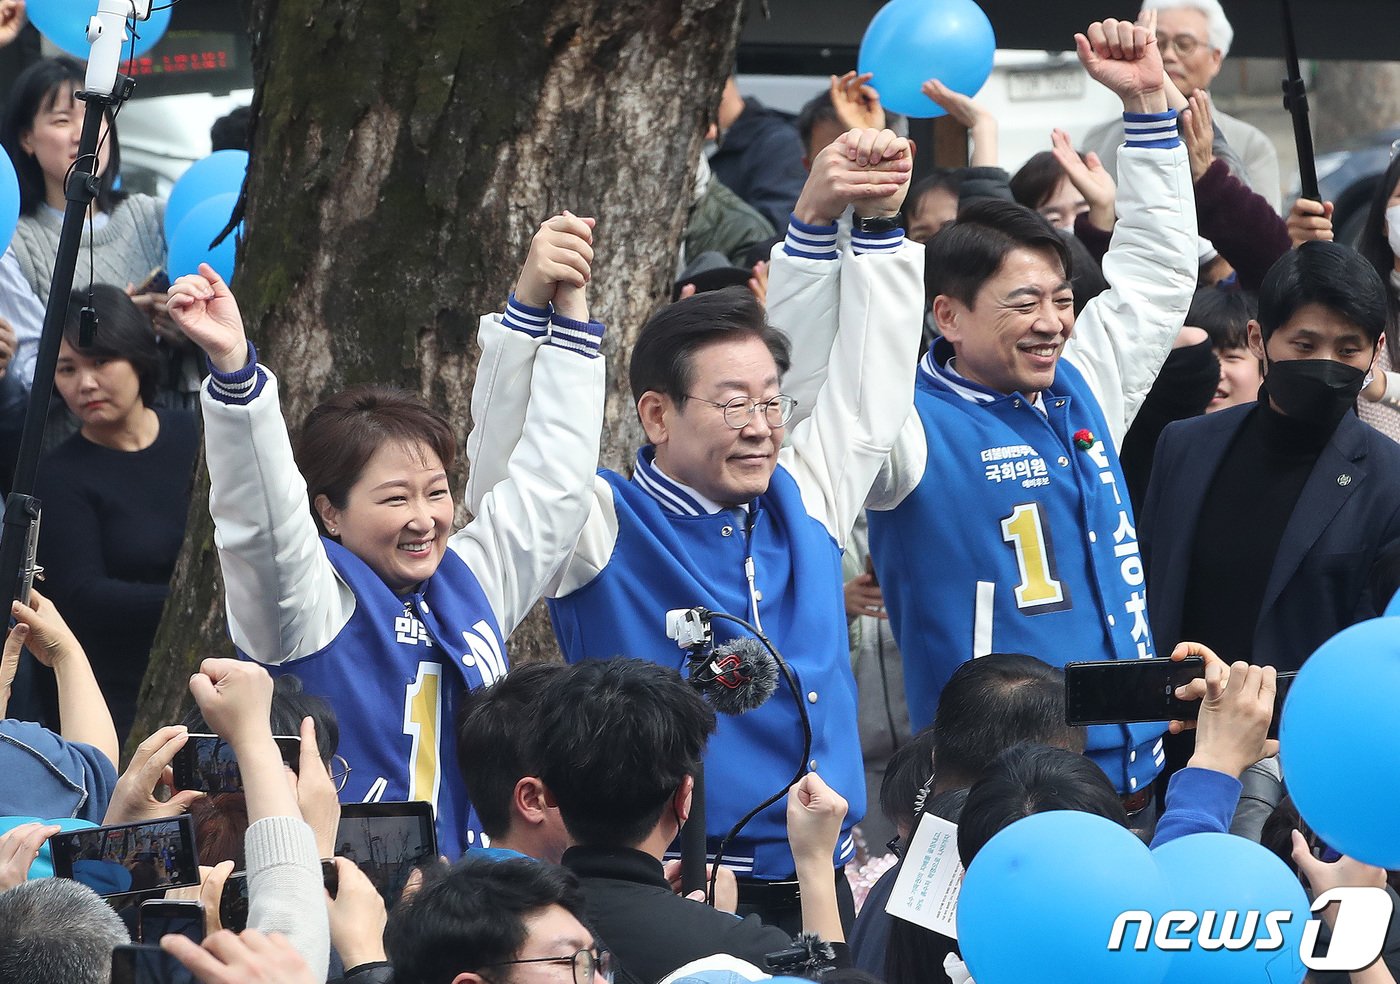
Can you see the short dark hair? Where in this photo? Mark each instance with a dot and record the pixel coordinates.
(342, 434)
(35, 91)
(1036, 179)
(992, 703)
(818, 109)
(663, 358)
(1031, 778)
(231, 132)
(495, 742)
(123, 332)
(616, 739)
(947, 179)
(1224, 312)
(473, 917)
(1335, 276)
(969, 252)
(906, 773)
(57, 931)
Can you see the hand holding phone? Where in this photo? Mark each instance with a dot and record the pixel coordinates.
(1233, 721)
(207, 763)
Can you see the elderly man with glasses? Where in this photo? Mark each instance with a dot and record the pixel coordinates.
(1194, 37)
(718, 513)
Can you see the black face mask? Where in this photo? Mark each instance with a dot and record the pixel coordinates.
(1319, 391)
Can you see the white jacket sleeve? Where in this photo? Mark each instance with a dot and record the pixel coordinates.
(803, 303)
(1123, 336)
(836, 454)
(529, 521)
(283, 596)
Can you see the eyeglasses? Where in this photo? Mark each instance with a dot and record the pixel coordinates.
(1186, 45)
(586, 964)
(740, 410)
(340, 772)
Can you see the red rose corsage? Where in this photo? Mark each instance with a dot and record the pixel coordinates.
(1083, 439)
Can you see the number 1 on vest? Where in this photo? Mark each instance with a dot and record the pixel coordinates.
(422, 720)
(1025, 530)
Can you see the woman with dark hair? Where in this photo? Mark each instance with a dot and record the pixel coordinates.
(1379, 242)
(341, 563)
(124, 240)
(115, 495)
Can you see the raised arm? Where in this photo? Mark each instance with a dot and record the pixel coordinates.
(1123, 336)
(531, 491)
(868, 390)
(283, 597)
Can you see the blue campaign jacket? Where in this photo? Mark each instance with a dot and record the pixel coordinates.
(396, 719)
(1016, 540)
(666, 560)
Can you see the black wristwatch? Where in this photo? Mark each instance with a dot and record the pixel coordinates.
(876, 223)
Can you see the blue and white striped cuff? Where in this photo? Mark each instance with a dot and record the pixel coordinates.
(876, 242)
(1151, 130)
(583, 337)
(520, 317)
(241, 387)
(813, 242)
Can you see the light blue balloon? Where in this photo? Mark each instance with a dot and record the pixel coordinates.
(1339, 743)
(64, 22)
(1229, 884)
(911, 41)
(1040, 900)
(189, 247)
(42, 866)
(218, 174)
(9, 200)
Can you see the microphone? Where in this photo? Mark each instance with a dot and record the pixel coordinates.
(737, 676)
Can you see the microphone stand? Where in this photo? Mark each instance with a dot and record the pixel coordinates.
(104, 89)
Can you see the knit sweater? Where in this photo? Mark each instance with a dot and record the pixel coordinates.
(127, 247)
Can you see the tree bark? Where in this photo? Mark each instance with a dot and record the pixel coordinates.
(403, 155)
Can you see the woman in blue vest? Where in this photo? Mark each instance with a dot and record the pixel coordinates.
(340, 562)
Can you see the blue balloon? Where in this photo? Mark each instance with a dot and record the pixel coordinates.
(1229, 885)
(218, 174)
(1339, 744)
(189, 247)
(9, 200)
(42, 866)
(64, 22)
(911, 41)
(1040, 901)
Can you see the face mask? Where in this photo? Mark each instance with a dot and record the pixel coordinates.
(1317, 390)
(1392, 228)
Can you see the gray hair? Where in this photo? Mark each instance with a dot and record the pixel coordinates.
(1218, 28)
(56, 931)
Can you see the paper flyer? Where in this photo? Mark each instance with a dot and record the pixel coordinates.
(926, 891)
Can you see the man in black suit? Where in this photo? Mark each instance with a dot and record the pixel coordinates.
(1271, 526)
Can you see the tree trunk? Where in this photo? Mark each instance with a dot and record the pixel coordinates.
(403, 155)
(1353, 98)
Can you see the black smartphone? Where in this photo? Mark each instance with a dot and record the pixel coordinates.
(1129, 691)
(387, 841)
(207, 763)
(162, 917)
(129, 858)
(233, 902)
(133, 964)
(1136, 690)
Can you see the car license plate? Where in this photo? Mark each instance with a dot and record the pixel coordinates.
(1067, 83)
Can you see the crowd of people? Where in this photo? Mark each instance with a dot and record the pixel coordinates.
(922, 443)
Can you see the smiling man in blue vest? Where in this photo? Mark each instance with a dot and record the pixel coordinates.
(716, 516)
